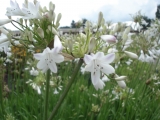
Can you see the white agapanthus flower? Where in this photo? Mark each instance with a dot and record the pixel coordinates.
(97, 63)
(150, 58)
(34, 86)
(34, 72)
(32, 11)
(14, 9)
(28, 11)
(49, 57)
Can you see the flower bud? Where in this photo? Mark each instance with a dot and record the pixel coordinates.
(100, 18)
(127, 30)
(109, 38)
(58, 19)
(4, 21)
(45, 9)
(92, 45)
(4, 31)
(131, 55)
(3, 39)
(51, 6)
(53, 30)
(124, 37)
(120, 78)
(40, 32)
(30, 36)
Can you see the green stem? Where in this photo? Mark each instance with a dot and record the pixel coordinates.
(46, 95)
(1, 91)
(66, 90)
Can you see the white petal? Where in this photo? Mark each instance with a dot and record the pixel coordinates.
(99, 55)
(87, 58)
(58, 58)
(121, 84)
(53, 67)
(57, 44)
(106, 68)
(108, 58)
(100, 84)
(42, 65)
(38, 56)
(89, 67)
(95, 76)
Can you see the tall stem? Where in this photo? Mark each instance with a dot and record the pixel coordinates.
(46, 96)
(1, 90)
(66, 90)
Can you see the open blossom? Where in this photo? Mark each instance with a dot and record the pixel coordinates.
(49, 57)
(32, 11)
(28, 11)
(97, 63)
(34, 72)
(14, 9)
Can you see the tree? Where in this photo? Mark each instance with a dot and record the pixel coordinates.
(73, 24)
(158, 12)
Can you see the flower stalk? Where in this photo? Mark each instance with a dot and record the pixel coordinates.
(1, 91)
(46, 95)
(66, 89)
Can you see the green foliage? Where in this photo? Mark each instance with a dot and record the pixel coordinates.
(140, 100)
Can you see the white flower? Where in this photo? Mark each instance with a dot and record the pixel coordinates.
(4, 45)
(49, 58)
(32, 11)
(34, 86)
(14, 10)
(34, 72)
(142, 56)
(97, 63)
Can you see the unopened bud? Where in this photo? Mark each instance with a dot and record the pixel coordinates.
(120, 78)
(92, 45)
(124, 37)
(53, 30)
(100, 17)
(58, 18)
(131, 55)
(51, 6)
(4, 21)
(40, 32)
(109, 38)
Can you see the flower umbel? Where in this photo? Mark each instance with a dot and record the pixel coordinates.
(97, 63)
